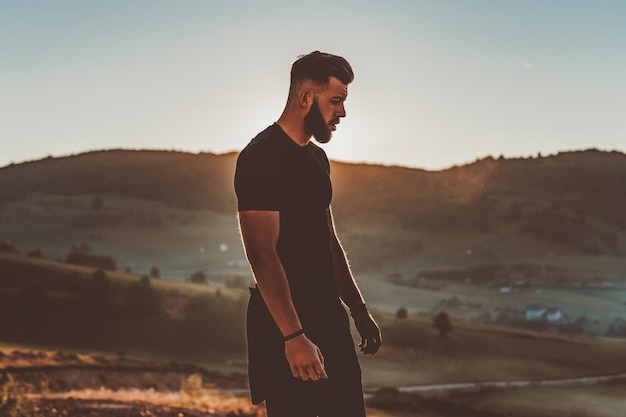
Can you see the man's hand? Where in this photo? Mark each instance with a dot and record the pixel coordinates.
(370, 333)
(305, 359)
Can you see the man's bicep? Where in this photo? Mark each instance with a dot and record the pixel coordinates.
(257, 183)
(259, 231)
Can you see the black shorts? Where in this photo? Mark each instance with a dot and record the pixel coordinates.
(270, 376)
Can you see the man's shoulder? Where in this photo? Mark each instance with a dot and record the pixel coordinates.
(262, 151)
(265, 141)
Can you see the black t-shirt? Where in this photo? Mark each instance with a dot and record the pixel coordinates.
(274, 173)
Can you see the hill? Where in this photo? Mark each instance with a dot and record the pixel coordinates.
(498, 233)
(175, 178)
(569, 203)
(578, 185)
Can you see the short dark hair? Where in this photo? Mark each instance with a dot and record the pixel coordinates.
(319, 67)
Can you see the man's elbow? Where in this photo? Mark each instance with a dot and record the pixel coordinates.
(257, 257)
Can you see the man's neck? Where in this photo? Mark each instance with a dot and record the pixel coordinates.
(295, 130)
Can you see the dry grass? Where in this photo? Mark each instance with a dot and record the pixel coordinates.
(207, 401)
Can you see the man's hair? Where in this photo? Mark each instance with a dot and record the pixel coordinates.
(319, 67)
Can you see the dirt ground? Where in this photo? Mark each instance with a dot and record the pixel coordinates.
(71, 407)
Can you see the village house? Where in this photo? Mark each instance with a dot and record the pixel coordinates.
(535, 312)
(539, 312)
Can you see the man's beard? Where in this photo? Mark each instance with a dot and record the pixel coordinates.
(315, 124)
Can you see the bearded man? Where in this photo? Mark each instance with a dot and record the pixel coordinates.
(301, 356)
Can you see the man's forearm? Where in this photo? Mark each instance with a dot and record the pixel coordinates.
(346, 285)
(344, 280)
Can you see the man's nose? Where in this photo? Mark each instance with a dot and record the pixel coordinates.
(342, 111)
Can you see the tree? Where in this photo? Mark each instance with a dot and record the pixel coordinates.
(402, 313)
(442, 323)
(145, 280)
(155, 272)
(198, 277)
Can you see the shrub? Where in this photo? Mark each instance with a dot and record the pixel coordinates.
(198, 277)
(442, 322)
(145, 280)
(155, 272)
(13, 401)
(192, 385)
(7, 247)
(402, 313)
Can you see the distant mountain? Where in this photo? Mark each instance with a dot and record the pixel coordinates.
(546, 197)
(574, 186)
(175, 178)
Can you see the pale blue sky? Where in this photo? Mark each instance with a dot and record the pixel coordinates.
(438, 82)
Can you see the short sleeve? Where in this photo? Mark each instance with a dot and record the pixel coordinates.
(256, 182)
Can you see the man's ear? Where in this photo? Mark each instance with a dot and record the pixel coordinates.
(306, 97)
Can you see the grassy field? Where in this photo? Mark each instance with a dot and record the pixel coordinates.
(137, 234)
(413, 352)
(598, 401)
(140, 234)
(472, 352)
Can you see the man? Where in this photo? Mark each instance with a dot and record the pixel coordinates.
(301, 356)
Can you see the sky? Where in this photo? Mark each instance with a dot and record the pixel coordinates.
(437, 83)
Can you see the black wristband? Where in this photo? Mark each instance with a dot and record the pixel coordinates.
(293, 335)
(359, 310)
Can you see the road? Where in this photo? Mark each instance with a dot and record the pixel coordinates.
(447, 389)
